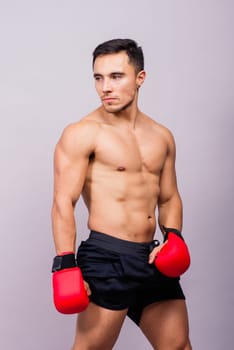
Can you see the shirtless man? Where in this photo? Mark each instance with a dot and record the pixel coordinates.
(123, 164)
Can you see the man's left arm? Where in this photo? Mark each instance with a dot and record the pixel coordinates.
(172, 258)
(170, 209)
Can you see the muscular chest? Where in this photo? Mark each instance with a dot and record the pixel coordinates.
(132, 151)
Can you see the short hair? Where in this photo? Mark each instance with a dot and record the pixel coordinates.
(134, 52)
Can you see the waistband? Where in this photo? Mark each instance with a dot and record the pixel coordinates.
(121, 246)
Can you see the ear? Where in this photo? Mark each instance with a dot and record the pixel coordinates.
(140, 78)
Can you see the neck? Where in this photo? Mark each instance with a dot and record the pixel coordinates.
(125, 117)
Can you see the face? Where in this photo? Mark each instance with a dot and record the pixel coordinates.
(116, 81)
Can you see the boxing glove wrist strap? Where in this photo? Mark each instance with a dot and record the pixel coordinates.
(173, 230)
(64, 262)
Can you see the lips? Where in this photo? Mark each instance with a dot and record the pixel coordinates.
(108, 99)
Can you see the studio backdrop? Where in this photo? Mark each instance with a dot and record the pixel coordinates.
(46, 83)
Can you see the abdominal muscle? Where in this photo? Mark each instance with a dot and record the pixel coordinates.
(122, 205)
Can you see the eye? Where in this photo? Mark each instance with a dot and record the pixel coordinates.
(116, 76)
(97, 77)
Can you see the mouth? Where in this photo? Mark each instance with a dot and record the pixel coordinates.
(108, 99)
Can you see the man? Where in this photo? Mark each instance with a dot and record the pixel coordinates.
(123, 164)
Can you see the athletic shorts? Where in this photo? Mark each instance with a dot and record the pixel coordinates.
(120, 276)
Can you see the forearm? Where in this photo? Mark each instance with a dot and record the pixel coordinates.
(170, 213)
(64, 226)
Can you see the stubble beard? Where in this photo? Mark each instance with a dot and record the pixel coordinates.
(118, 110)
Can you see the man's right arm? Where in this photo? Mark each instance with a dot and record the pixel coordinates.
(71, 161)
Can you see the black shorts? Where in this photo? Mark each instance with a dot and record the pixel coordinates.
(120, 276)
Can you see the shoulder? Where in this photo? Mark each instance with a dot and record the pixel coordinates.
(79, 136)
(160, 130)
(86, 127)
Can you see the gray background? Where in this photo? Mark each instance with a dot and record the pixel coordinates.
(46, 82)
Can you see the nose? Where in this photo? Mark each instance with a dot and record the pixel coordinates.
(106, 87)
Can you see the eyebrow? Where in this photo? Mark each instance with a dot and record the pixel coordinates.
(97, 75)
(112, 73)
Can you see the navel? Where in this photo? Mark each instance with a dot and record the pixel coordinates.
(121, 168)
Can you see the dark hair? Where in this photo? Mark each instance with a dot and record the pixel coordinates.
(133, 51)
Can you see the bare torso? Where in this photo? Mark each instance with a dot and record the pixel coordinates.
(122, 182)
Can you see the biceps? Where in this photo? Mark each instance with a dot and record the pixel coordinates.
(168, 182)
(69, 176)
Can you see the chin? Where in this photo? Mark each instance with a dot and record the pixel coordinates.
(117, 109)
(113, 109)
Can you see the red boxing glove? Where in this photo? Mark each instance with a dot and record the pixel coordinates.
(69, 294)
(174, 258)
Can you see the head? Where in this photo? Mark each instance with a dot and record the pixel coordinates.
(118, 67)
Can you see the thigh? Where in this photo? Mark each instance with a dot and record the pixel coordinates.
(165, 324)
(98, 328)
